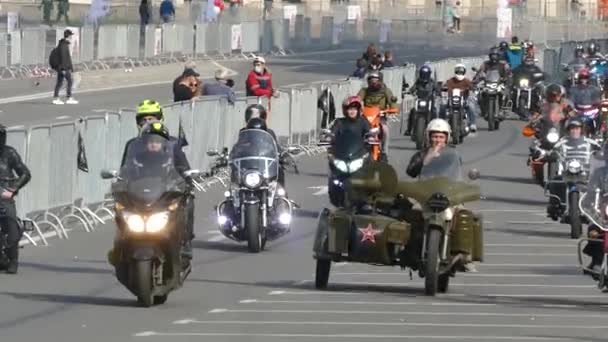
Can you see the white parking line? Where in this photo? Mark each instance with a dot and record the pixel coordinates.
(355, 283)
(357, 336)
(405, 313)
(404, 324)
(466, 275)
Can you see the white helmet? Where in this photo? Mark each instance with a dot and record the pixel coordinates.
(259, 59)
(460, 71)
(438, 125)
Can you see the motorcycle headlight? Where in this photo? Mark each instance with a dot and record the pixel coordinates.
(438, 202)
(552, 137)
(422, 103)
(493, 85)
(157, 222)
(574, 166)
(606, 210)
(524, 83)
(448, 214)
(355, 165)
(340, 165)
(135, 222)
(252, 179)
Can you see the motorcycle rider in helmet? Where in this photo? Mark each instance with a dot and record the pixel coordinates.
(494, 63)
(528, 47)
(438, 133)
(594, 249)
(585, 93)
(352, 121)
(377, 94)
(593, 52)
(256, 118)
(515, 53)
(534, 74)
(15, 175)
(460, 81)
(554, 94)
(573, 145)
(503, 48)
(424, 87)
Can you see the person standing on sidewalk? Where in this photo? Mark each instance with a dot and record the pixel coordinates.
(63, 7)
(167, 11)
(64, 69)
(47, 8)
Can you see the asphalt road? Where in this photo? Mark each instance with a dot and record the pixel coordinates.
(528, 289)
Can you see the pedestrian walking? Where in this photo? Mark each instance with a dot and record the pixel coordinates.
(61, 61)
(167, 10)
(145, 13)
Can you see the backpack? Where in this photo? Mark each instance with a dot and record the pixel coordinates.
(54, 59)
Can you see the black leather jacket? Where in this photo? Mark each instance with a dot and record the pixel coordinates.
(11, 164)
(181, 162)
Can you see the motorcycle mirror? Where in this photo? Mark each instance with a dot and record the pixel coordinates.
(192, 173)
(407, 85)
(326, 131)
(212, 153)
(473, 174)
(109, 174)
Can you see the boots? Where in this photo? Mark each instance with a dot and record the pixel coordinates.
(13, 264)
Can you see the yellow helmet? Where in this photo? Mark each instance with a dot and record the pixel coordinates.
(149, 108)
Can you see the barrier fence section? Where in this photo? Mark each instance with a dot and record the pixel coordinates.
(25, 52)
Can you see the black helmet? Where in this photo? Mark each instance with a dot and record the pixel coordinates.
(574, 122)
(503, 45)
(256, 123)
(514, 40)
(493, 54)
(255, 111)
(155, 129)
(579, 51)
(2, 135)
(424, 73)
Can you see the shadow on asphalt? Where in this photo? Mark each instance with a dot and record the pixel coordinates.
(331, 287)
(64, 269)
(71, 299)
(565, 233)
(523, 180)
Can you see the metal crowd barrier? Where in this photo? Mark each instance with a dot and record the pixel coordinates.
(24, 53)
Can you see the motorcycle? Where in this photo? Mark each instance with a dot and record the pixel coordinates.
(457, 115)
(546, 135)
(374, 116)
(597, 69)
(424, 112)
(151, 198)
(349, 154)
(378, 226)
(564, 191)
(571, 71)
(591, 118)
(24, 227)
(603, 132)
(256, 208)
(491, 89)
(527, 94)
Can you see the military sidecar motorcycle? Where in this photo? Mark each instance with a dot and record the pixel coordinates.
(380, 226)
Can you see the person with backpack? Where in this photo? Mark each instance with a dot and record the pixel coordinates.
(60, 60)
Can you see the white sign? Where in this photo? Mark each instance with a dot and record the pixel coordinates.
(353, 12)
(385, 30)
(75, 40)
(290, 12)
(12, 21)
(504, 22)
(237, 37)
(158, 41)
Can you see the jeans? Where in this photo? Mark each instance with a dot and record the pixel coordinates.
(472, 110)
(67, 75)
(10, 227)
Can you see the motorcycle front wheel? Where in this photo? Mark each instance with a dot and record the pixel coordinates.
(252, 225)
(576, 227)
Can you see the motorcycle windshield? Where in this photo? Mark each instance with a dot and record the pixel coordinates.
(594, 202)
(149, 172)
(447, 164)
(493, 76)
(349, 146)
(255, 150)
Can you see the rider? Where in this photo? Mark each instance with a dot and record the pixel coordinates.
(554, 94)
(585, 93)
(528, 70)
(494, 63)
(573, 145)
(11, 164)
(528, 46)
(377, 94)
(460, 81)
(503, 48)
(594, 249)
(515, 53)
(424, 87)
(593, 52)
(438, 134)
(352, 120)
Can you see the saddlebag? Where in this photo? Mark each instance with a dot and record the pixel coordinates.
(467, 235)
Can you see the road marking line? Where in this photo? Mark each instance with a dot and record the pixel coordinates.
(62, 117)
(466, 275)
(543, 296)
(530, 254)
(531, 222)
(403, 313)
(399, 303)
(359, 336)
(407, 324)
(322, 190)
(355, 283)
(548, 245)
(217, 238)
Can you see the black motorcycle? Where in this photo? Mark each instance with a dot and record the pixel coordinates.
(527, 93)
(24, 227)
(347, 156)
(456, 114)
(151, 199)
(256, 208)
(424, 112)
